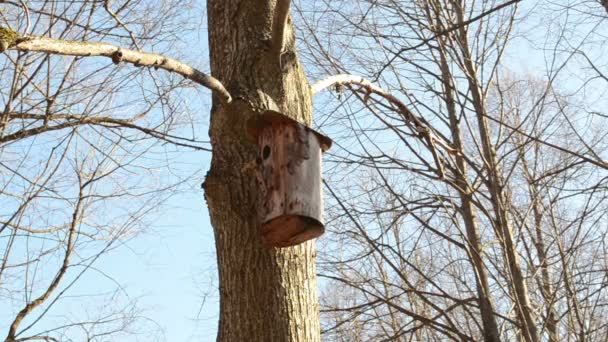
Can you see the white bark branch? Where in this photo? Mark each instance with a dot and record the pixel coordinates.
(118, 54)
(346, 79)
(279, 21)
(422, 128)
(370, 88)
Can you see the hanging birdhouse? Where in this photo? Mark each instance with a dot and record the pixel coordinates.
(289, 179)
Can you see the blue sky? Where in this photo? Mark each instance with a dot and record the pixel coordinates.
(172, 269)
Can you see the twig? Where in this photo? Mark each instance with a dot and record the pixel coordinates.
(437, 34)
(12, 333)
(27, 15)
(108, 9)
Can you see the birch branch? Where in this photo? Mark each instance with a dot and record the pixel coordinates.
(279, 21)
(118, 54)
(424, 131)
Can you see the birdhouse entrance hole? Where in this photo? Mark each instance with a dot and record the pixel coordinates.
(266, 152)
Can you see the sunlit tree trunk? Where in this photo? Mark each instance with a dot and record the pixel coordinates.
(265, 294)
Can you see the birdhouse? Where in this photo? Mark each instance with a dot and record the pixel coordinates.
(289, 178)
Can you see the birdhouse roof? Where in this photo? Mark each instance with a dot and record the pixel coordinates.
(268, 118)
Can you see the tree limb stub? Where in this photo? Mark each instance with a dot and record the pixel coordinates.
(118, 54)
(279, 21)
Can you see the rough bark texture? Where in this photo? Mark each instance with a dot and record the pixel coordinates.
(265, 294)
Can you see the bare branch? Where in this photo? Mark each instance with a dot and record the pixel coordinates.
(279, 22)
(370, 88)
(345, 79)
(78, 120)
(12, 333)
(118, 54)
(38, 338)
(27, 15)
(450, 29)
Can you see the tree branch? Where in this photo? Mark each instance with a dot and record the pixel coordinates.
(370, 88)
(78, 120)
(12, 333)
(118, 54)
(450, 29)
(424, 131)
(279, 21)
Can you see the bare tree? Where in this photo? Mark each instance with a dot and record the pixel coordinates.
(454, 174)
(83, 166)
(476, 219)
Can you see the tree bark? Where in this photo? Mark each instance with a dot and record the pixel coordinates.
(265, 294)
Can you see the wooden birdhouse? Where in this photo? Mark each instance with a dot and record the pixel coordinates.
(289, 178)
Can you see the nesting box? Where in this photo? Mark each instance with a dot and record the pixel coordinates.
(289, 178)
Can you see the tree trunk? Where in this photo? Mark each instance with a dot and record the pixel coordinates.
(486, 308)
(265, 294)
(495, 184)
(540, 245)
